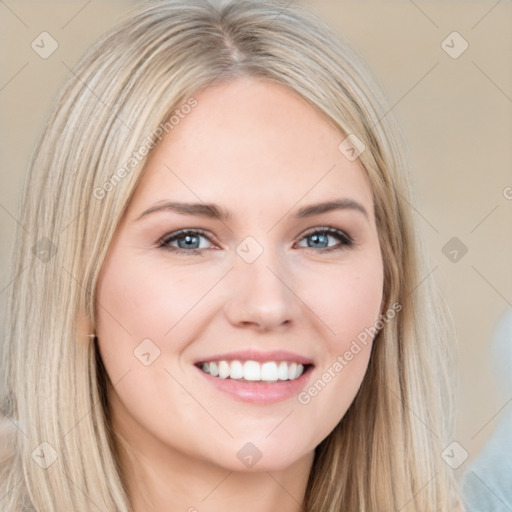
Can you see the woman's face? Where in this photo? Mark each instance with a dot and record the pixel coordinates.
(265, 281)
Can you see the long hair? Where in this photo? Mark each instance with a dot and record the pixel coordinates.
(129, 88)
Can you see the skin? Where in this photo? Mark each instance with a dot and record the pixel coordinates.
(259, 150)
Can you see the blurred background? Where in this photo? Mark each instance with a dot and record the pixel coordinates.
(446, 69)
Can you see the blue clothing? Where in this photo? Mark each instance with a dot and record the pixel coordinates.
(487, 484)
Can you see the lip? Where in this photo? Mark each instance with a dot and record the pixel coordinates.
(258, 355)
(262, 393)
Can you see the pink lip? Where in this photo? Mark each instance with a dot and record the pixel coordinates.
(262, 393)
(256, 355)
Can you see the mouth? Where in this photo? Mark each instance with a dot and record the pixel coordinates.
(255, 376)
(252, 382)
(255, 371)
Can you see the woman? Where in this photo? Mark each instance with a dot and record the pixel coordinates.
(180, 337)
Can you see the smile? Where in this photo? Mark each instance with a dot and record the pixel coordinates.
(253, 371)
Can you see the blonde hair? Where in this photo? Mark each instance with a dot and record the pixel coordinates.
(385, 453)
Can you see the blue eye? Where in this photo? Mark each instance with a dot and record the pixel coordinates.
(321, 236)
(188, 240)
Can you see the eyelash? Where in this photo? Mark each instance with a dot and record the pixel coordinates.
(346, 241)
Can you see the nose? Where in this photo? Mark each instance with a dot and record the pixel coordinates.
(261, 295)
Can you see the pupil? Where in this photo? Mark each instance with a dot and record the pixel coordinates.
(189, 240)
(316, 237)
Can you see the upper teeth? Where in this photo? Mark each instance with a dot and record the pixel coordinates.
(253, 370)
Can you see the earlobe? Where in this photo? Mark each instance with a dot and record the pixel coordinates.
(84, 328)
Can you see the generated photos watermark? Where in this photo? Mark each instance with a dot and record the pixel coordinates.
(149, 143)
(342, 360)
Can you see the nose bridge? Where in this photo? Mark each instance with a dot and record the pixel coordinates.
(260, 289)
(261, 269)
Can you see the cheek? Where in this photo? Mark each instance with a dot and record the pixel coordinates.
(347, 300)
(142, 300)
(356, 305)
(129, 310)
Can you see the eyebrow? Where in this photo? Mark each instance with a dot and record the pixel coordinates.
(214, 211)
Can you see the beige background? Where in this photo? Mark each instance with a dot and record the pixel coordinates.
(456, 114)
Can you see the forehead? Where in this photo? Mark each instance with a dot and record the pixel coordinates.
(249, 143)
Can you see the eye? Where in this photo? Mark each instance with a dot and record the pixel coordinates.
(320, 236)
(189, 240)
